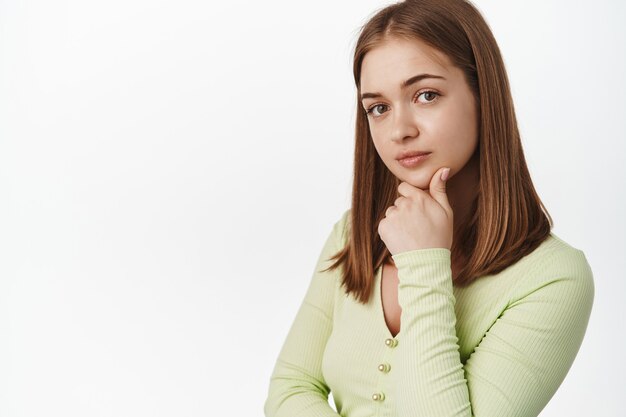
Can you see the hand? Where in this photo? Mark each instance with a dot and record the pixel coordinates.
(418, 219)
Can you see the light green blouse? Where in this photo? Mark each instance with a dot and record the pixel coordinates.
(499, 347)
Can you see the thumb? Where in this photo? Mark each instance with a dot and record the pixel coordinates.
(438, 187)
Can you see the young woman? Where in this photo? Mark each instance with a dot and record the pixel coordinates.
(442, 291)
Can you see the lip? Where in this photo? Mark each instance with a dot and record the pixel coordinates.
(413, 160)
(407, 154)
(409, 159)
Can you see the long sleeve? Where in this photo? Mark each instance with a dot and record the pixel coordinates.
(521, 360)
(297, 387)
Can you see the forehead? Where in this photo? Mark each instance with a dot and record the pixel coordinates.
(397, 59)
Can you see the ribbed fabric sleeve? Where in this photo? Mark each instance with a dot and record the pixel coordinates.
(518, 365)
(500, 347)
(297, 386)
(429, 375)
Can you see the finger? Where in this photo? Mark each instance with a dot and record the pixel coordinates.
(407, 190)
(438, 187)
(399, 200)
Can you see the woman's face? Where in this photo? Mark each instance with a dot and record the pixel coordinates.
(436, 115)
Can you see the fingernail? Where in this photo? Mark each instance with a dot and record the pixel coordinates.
(444, 174)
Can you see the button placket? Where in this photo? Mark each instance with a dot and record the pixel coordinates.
(392, 343)
(384, 367)
(378, 396)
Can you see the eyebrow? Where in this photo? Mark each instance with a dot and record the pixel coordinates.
(404, 85)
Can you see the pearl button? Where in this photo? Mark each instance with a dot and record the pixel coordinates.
(384, 367)
(391, 342)
(378, 396)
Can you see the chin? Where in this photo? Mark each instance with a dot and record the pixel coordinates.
(418, 179)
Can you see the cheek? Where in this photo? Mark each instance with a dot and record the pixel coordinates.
(380, 150)
(456, 127)
(378, 135)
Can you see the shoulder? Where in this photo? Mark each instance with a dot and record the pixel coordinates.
(335, 241)
(341, 227)
(554, 264)
(556, 257)
(345, 218)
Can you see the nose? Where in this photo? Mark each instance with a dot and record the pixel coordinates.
(404, 125)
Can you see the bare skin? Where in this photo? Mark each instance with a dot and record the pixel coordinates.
(460, 194)
(389, 298)
(401, 121)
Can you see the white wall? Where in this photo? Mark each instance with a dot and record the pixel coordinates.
(170, 169)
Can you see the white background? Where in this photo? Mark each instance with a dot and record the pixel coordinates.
(169, 171)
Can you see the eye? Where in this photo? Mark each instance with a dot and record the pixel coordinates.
(370, 110)
(427, 93)
(432, 94)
